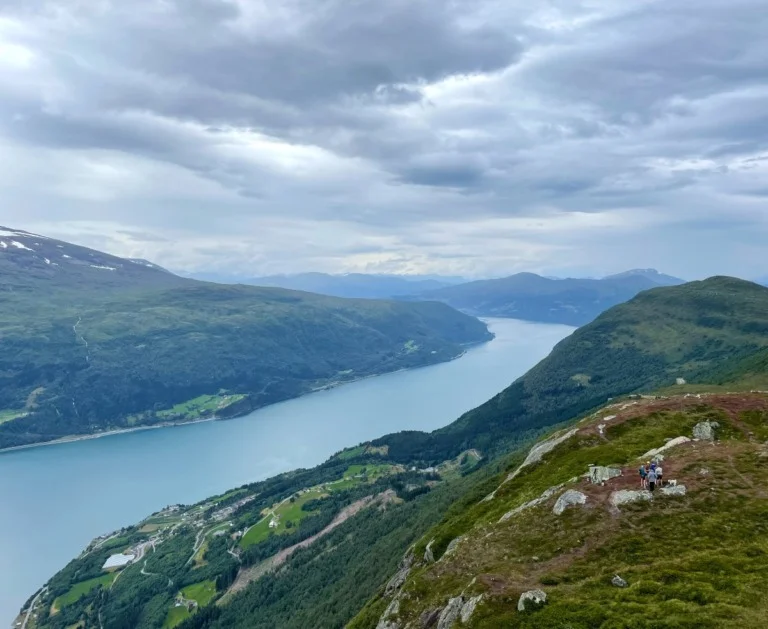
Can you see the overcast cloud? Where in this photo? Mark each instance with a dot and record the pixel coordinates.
(475, 137)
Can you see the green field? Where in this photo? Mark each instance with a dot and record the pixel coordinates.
(8, 415)
(202, 592)
(80, 589)
(286, 512)
(201, 406)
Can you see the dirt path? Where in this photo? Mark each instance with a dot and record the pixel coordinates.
(32, 606)
(248, 575)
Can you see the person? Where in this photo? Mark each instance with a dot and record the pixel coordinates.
(659, 475)
(652, 480)
(643, 475)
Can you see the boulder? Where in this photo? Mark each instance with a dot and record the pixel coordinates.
(625, 496)
(469, 608)
(599, 474)
(387, 621)
(531, 503)
(429, 556)
(670, 444)
(705, 431)
(531, 599)
(569, 499)
(450, 613)
(676, 490)
(451, 547)
(540, 449)
(396, 582)
(619, 582)
(428, 619)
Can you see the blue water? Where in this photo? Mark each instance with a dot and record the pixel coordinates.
(55, 499)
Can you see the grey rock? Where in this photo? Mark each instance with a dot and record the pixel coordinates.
(387, 621)
(677, 490)
(540, 449)
(451, 613)
(429, 618)
(532, 598)
(429, 556)
(599, 474)
(625, 496)
(677, 441)
(452, 547)
(397, 581)
(619, 582)
(531, 503)
(705, 431)
(469, 608)
(569, 499)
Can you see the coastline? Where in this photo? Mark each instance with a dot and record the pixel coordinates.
(173, 424)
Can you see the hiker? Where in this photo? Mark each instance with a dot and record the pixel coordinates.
(643, 475)
(652, 480)
(659, 475)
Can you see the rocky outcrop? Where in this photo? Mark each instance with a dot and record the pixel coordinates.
(429, 556)
(599, 474)
(619, 582)
(387, 620)
(469, 608)
(569, 499)
(531, 503)
(540, 449)
(676, 490)
(677, 441)
(531, 600)
(428, 619)
(450, 613)
(626, 496)
(451, 547)
(705, 431)
(397, 581)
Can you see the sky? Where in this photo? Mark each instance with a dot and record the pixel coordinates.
(461, 137)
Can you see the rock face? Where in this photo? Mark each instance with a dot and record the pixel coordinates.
(429, 618)
(677, 441)
(540, 449)
(677, 490)
(531, 503)
(386, 621)
(625, 496)
(705, 431)
(619, 582)
(429, 556)
(533, 598)
(469, 608)
(451, 613)
(569, 499)
(599, 474)
(451, 547)
(401, 575)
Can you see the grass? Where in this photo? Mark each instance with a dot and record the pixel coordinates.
(8, 415)
(176, 615)
(82, 588)
(692, 562)
(201, 406)
(203, 592)
(358, 474)
(286, 512)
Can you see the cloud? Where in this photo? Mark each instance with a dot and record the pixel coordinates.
(458, 136)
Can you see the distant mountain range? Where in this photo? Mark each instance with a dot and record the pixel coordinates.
(93, 342)
(347, 285)
(528, 296)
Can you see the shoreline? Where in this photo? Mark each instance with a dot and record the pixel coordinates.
(327, 387)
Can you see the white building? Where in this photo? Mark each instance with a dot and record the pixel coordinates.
(118, 561)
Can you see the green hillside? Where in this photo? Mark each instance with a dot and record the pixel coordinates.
(661, 335)
(572, 301)
(94, 342)
(480, 525)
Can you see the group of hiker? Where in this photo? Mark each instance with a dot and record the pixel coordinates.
(651, 475)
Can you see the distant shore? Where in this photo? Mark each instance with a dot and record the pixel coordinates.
(172, 424)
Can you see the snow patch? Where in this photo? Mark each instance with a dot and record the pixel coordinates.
(64, 255)
(19, 245)
(47, 261)
(106, 268)
(3, 244)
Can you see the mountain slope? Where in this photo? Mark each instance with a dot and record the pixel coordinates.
(94, 342)
(659, 336)
(604, 552)
(535, 298)
(358, 285)
(706, 550)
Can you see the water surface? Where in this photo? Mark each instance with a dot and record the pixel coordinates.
(55, 499)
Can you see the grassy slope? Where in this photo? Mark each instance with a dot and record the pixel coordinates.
(683, 331)
(155, 341)
(695, 561)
